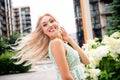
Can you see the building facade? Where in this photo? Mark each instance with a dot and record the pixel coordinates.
(6, 28)
(99, 14)
(22, 20)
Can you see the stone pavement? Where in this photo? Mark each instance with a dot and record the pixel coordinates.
(44, 70)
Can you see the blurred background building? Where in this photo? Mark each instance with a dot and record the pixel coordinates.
(14, 19)
(19, 18)
(99, 13)
(5, 18)
(22, 20)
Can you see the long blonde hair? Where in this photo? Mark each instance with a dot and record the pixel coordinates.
(33, 47)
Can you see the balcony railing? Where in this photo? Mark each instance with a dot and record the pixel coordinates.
(1, 18)
(106, 10)
(17, 19)
(2, 8)
(93, 1)
(4, 29)
(3, 22)
(94, 13)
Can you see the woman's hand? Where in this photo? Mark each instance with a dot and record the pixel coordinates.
(65, 36)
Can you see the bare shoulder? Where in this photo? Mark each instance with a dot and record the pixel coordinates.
(56, 42)
(57, 46)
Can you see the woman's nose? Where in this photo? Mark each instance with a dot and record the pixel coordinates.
(50, 24)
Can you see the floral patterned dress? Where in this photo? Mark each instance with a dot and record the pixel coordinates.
(74, 63)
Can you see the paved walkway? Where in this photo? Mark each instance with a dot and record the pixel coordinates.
(45, 70)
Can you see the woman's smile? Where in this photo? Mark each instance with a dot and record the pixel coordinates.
(52, 30)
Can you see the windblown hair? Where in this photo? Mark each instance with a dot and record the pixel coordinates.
(33, 47)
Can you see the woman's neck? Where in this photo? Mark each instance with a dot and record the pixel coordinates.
(57, 36)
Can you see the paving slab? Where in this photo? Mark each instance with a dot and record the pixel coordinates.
(43, 71)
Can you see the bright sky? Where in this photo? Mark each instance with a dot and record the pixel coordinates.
(63, 10)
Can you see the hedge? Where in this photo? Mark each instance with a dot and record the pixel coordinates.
(7, 65)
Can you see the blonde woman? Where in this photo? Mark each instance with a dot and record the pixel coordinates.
(50, 39)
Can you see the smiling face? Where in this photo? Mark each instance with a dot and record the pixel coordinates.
(49, 26)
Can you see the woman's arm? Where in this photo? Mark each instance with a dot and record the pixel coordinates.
(67, 38)
(83, 56)
(59, 53)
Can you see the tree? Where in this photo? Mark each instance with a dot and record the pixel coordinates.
(2, 46)
(13, 37)
(115, 18)
(4, 42)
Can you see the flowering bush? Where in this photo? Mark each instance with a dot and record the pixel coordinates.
(104, 57)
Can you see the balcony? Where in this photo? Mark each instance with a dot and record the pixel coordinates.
(27, 13)
(16, 14)
(4, 29)
(2, 1)
(3, 22)
(28, 18)
(2, 14)
(16, 19)
(106, 1)
(16, 10)
(78, 15)
(2, 8)
(28, 21)
(106, 10)
(28, 24)
(78, 18)
(17, 24)
(94, 13)
(27, 29)
(94, 1)
(1, 18)
(17, 27)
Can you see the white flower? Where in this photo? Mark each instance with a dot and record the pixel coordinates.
(115, 35)
(101, 52)
(89, 45)
(94, 73)
(96, 51)
(93, 62)
(113, 43)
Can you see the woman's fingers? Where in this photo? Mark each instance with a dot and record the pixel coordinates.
(63, 30)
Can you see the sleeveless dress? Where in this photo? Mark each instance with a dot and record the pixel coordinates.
(74, 63)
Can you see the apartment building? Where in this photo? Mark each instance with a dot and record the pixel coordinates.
(22, 20)
(99, 13)
(6, 28)
(105, 13)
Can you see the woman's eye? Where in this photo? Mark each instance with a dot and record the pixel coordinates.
(44, 25)
(52, 21)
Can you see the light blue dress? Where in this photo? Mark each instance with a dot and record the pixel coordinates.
(74, 63)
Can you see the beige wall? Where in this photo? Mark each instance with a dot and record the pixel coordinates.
(102, 15)
(103, 18)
